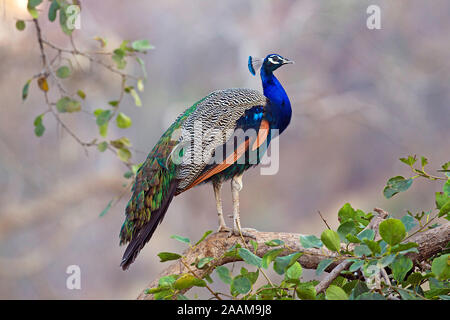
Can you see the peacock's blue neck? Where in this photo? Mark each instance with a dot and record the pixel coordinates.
(280, 111)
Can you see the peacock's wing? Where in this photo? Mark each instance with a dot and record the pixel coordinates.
(211, 125)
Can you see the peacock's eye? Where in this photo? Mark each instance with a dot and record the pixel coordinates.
(275, 58)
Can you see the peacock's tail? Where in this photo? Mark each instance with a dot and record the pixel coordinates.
(153, 191)
(154, 188)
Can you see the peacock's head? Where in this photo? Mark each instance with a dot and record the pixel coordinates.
(270, 63)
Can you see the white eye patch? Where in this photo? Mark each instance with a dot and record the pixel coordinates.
(274, 60)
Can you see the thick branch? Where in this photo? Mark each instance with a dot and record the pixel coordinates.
(430, 242)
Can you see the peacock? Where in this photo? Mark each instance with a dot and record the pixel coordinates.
(215, 140)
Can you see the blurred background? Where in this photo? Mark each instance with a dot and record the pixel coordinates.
(361, 99)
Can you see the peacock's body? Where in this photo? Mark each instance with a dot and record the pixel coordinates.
(215, 140)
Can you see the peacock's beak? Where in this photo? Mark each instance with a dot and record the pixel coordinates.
(287, 61)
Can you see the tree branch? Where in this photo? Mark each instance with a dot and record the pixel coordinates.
(430, 242)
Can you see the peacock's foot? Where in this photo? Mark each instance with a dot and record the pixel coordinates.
(245, 232)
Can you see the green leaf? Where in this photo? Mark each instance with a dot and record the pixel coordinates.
(322, 266)
(446, 187)
(207, 233)
(187, 281)
(123, 121)
(119, 58)
(366, 234)
(224, 274)
(142, 64)
(39, 128)
(392, 231)
(370, 296)
(66, 104)
(250, 257)
(54, 7)
(114, 103)
(274, 243)
(103, 116)
(252, 276)
(203, 262)
(409, 161)
(140, 85)
(240, 284)
(20, 25)
(295, 271)
(441, 200)
(395, 185)
(356, 266)
(404, 247)
(346, 213)
(25, 89)
(335, 293)
(358, 289)
(362, 250)
(181, 239)
(423, 161)
(406, 295)
(281, 264)
(444, 210)
(103, 130)
(168, 256)
(441, 267)
(386, 261)
(106, 209)
(34, 3)
(331, 240)
(400, 267)
(63, 72)
(352, 239)
(269, 257)
(81, 94)
(137, 99)
(141, 45)
(409, 222)
(373, 246)
(254, 245)
(414, 279)
(306, 291)
(167, 281)
(120, 143)
(347, 227)
(310, 242)
(124, 154)
(102, 146)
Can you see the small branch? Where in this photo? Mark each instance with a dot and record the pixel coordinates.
(325, 283)
(323, 219)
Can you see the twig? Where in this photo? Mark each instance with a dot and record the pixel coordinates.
(323, 219)
(325, 283)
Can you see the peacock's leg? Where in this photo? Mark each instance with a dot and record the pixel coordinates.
(236, 186)
(217, 185)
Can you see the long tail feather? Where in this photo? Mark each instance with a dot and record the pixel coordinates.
(147, 230)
